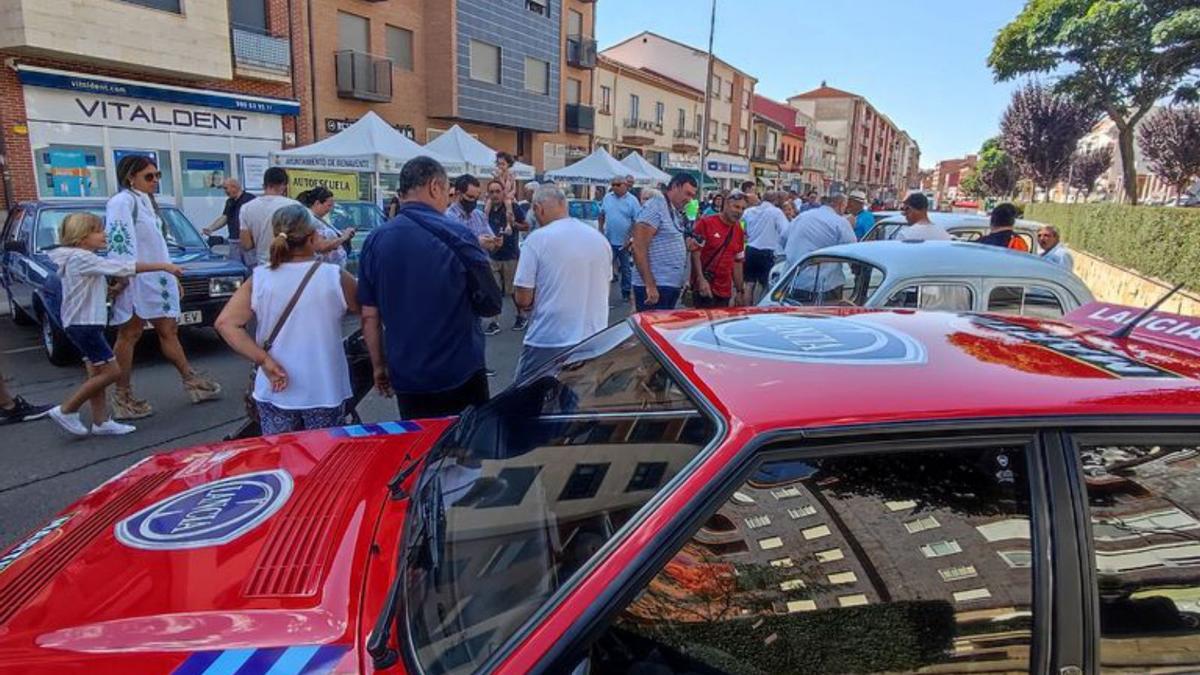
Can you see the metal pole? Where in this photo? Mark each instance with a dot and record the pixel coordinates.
(712, 29)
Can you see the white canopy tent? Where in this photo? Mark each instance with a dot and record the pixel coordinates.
(597, 168)
(370, 145)
(639, 166)
(464, 150)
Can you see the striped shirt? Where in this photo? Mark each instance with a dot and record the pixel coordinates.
(668, 254)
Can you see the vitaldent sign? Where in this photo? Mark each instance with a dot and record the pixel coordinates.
(51, 105)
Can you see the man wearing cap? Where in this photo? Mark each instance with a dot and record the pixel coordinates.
(916, 212)
(860, 218)
(617, 211)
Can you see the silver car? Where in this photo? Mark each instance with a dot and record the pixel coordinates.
(962, 226)
(934, 275)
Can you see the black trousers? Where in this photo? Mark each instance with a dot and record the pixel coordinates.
(444, 403)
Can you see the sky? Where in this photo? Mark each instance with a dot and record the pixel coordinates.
(923, 63)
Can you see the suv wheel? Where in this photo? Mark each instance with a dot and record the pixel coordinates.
(59, 349)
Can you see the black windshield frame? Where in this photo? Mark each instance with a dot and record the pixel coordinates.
(703, 406)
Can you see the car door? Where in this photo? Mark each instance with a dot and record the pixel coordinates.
(893, 555)
(1138, 496)
(20, 272)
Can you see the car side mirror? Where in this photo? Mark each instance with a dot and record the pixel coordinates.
(16, 246)
(215, 240)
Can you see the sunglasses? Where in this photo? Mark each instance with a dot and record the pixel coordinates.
(153, 175)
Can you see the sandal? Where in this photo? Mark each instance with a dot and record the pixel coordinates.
(200, 389)
(125, 406)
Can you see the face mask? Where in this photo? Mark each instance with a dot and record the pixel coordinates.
(469, 204)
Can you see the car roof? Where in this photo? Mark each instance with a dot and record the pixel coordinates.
(78, 204)
(949, 220)
(812, 367)
(952, 258)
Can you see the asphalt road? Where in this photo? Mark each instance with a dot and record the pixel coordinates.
(43, 470)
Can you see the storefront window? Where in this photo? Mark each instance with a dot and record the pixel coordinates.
(162, 158)
(71, 171)
(204, 174)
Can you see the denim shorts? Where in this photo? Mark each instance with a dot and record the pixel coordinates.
(90, 342)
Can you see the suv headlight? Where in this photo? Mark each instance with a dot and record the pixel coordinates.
(223, 286)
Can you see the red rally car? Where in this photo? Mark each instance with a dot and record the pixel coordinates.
(744, 491)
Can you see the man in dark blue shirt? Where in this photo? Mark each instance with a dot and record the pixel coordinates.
(423, 279)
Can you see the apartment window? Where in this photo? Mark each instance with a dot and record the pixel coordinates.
(786, 493)
(537, 76)
(646, 476)
(635, 105)
(1016, 558)
(354, 33)
(742, 138)
(574, 91)
(725, 134)
(660, 113)
(958, 573)
(756, 522)
(782, 562)
(802, 512)
(973, 594)
(794, 606)
(400, 47)
(716, 86)
(848, 577)
(605, 99)
(746, 99)
(584, 482)
(856, 600)
(729, 91)
(942, 548)
(485, 62)
(829, 555)
(165, 5)
(682, 122)
(699, 124)
(541, 7)
(816, 532)
(902, 505)
(574, 23)
(921, 524)
(249, 14)
(792, 585)
(770, 543)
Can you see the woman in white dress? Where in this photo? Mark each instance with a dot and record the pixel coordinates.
(135, 232)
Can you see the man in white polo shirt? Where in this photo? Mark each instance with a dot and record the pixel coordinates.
(563, 277)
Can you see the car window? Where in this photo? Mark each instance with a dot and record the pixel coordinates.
(824, 280)
(1025, 301)
(50, 220)
(967, 235)
(522, 493)
(362, 216)
(1144, 499)
(941, 297)
(180, 231)
(13, 226)
(894, 562)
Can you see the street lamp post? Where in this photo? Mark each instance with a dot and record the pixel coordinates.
(712, 28)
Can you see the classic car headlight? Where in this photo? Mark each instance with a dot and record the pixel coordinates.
(223, 286)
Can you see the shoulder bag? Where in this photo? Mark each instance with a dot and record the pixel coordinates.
(248, 399)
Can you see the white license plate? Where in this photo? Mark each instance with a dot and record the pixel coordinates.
(191, 318)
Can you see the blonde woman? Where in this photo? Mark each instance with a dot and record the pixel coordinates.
(135, 234)
(302, 380)
(84, 314)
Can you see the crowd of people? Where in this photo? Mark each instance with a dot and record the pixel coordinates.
(431, 282)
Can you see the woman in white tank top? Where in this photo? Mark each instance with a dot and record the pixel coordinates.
(303, 380)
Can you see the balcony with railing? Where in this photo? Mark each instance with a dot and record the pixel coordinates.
(363, 76)
(685, 141)
(580, 119)
(761, 153)
(257, 54)
(640, 132)
(581, 51)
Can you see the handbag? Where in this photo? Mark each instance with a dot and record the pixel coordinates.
(248, 398)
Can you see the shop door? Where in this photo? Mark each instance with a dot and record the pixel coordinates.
(203, 178)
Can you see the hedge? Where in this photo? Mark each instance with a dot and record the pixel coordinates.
(1163, 243)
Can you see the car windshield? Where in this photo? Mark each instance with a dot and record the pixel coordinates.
(823, 281)
(179, 230)
(523, 492)
(362, 216)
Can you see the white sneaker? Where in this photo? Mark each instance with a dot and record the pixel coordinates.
(68, 421)
(112, 428)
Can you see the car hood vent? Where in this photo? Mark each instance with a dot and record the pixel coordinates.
(49, 562)
(296, 553)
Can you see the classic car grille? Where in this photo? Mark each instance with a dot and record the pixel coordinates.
(47, 563)
(297, 550)
(194, 288)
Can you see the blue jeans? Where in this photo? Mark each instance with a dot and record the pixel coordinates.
(625, 264)
(668, 296)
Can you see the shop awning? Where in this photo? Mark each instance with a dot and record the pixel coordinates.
(644, 170)
(472, 154)
(368, 145)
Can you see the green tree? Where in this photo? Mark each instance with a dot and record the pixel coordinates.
(997, 171)
(1087, 167)
(1118, 55)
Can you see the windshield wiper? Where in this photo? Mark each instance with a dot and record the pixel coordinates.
(455, 437)
(428, 537)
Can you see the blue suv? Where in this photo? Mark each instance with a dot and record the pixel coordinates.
(34, 290)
